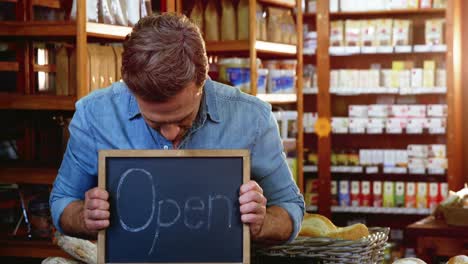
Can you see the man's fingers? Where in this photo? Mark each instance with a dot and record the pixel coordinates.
(252, 208)
(96, 225)
(250, 186)
(252, 196)
(97, 204)
(98, 214)
(97, 193)
(252, 219)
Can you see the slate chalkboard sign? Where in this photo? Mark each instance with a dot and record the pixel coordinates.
(174, 206)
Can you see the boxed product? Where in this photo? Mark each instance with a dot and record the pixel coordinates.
(357, 125)
(435, 31)
(399, 4)
(368, 33)
(274, 24)
(334, 192)
(402, 158)
(429, 74)
(377, 194)
(417, 164)
(377, 110)
(396, 125)
(416, 78)
(413, 4)
(389, 194)
(441, 78)
(417, 111)
(366, 195)
(405, 79)
(355, 193)
(340, 125)
(437, 163)
(373, 79)
(416, 125)
(425, 4)
(421, 195)
(437, 151)
(334, 80)
(399, 110)
(397, 67)
(439, 110)
(337, 33)
(375, 125)
(386, 78)
(444, 192)
(410, 195)
(400, 194)
(358, 110)
(384, 32)
(343, 193)
(390, 158)
(433, 197)
(353, 33)
(436, 125)
(439, 4)
(418, 151)
(353, 158)
(402, 32)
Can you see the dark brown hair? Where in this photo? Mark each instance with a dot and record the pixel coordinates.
(162, 55)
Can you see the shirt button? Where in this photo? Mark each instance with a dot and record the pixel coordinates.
(166, 147)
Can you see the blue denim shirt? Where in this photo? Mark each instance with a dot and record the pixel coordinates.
(228, 119)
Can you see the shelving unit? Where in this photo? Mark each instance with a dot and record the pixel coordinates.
(253, 48)
(25, 99)
(327, 99)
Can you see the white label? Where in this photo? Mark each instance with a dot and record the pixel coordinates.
(410, 188)
(433, 189)
(377, 187)
(388, 187)
(422, 189)
(354, 187)
(344, 187)
(400, 188)
(365, 186)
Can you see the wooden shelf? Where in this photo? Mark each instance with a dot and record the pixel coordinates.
(107, 31)
(385, 13)
(243, 46)
(279, 3)
(9, 66)
(30, 249)
(278, 98)
(62, 29)
(28, 175)
(36, 102)
(45, 68)
(380, 210)
(9, 1)
(47, 3)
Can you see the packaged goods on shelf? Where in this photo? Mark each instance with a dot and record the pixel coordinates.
(334, 5)
(334, 192)
(352, 33)
(311, 6)
(280, 26)
(410, 195)
(343, 193)
(355, 193)
(196, 15)
(434, 31)
(311, 192)
(439, 4)
(310, 42)
(261, 16)
(375, 5)
(243, 20)
(384, 32)
(368, 32)
(11, 217)
(281, 76)
(402, 32)
(340, 125)
(228, 21)
(337, 33)
(421, 195)
(309, 79)
(309, 122)
(236, 72)
(425, 4)
(287, 124)
(377, 194)
(433, 195)
(399, 194)
(211, 20)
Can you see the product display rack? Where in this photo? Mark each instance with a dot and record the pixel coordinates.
(23, 31)
(253, 48)
(327, 100)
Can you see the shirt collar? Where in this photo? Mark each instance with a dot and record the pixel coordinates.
(209, 105)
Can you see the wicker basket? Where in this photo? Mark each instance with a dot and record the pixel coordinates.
(369, 249)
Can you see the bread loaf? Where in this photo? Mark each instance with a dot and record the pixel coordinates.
(315, 225)
(58, 260)
(80, 249)
(461, 259)
(409, 261)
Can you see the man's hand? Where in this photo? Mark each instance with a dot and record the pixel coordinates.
(252, 207)
(96, 210)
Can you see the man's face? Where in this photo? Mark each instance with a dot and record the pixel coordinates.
(172, 119)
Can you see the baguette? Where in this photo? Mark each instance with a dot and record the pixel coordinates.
(315, 225)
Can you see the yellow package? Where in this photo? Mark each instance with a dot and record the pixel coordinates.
(211, 21)
(402, 32)
(384, 32)
(368, 32)
(337, 33)
(353, 33)
(434, 31)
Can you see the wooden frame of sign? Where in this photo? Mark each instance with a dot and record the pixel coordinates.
(102, 177)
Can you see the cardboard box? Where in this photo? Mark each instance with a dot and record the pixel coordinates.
(421, 195)
(337, 33)
(400, 194)
(368, 33)
(375, 125)
(416, 125)
(377, 191)
(396, 125)
(343, 193)
(340, 125)
(418, 151)
(429, 74)
(437, 110)
(417, 78)
(389, 194)
(437, 163)
(353, 33)
(399, 110)
(384, 32)
(378, 110)
(358, 110)
(417, 111)
(410, 195)
(417, 163)
(358, 125)
(437, 151)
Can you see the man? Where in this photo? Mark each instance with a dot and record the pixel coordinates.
(167, 102)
